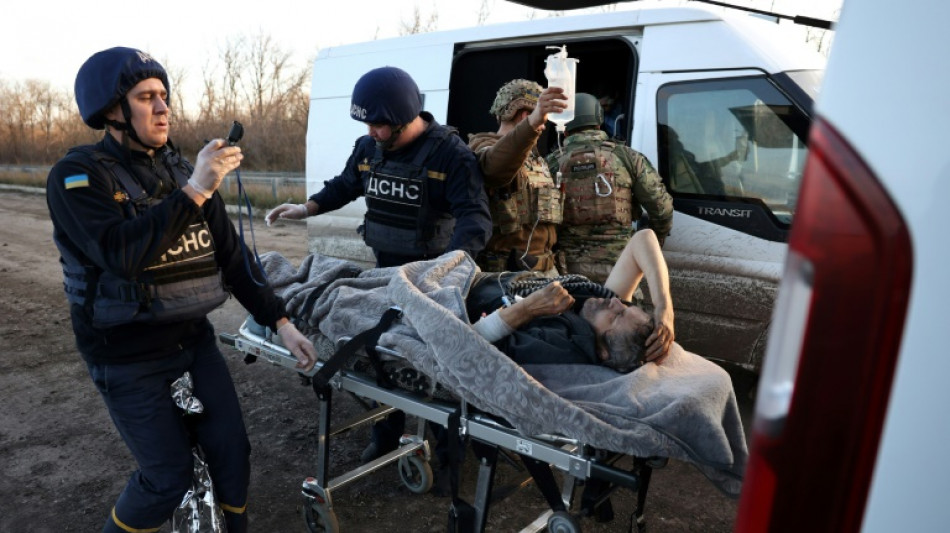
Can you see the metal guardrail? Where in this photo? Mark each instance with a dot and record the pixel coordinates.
(282, 178)
(274, 179)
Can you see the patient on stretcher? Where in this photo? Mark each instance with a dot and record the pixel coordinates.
(537, 366)
(553, 325)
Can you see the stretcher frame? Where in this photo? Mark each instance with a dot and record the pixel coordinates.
(539, 453)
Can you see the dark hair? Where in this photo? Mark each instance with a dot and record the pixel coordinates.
(627, 347)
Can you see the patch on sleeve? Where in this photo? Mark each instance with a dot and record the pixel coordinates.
(74, 182)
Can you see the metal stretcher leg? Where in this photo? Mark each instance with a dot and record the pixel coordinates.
(487, 456)
(544, 478)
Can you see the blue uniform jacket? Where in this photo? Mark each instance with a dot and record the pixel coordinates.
(461, 194)
(89, 219)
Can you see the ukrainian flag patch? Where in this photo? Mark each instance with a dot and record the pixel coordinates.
(73, 182)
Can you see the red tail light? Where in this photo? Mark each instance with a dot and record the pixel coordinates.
(834, 343)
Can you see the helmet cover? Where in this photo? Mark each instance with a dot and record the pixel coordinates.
(514, 96)
(386, 95)
(106, 77)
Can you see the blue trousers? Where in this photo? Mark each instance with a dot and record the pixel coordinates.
(139, 400)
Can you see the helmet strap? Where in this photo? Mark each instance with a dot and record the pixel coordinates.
(127, 125)
(388, 143)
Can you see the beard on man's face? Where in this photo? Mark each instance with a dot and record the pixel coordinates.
(592, 306)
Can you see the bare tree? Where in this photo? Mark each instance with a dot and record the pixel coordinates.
(483, 13)
(416, 24)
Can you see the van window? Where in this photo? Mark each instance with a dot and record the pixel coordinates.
(738, 138)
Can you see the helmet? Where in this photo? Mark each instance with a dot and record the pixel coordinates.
(105, 78)
(386, 95)
(514, 96)
(587, 112)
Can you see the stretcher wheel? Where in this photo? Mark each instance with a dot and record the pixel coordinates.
(416, 474)
(563, 522)
(318, 518)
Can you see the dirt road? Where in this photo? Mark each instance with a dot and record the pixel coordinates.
(62, 463)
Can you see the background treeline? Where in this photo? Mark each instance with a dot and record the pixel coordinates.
(254, 81)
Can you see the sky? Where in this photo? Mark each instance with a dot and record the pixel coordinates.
(48, 40)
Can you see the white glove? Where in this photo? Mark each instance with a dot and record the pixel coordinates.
(299, 345)
(214, 162)
(291, 211)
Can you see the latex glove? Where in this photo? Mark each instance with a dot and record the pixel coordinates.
(659, 342)
(291, 211)
(299, 345)
(552, 100)
(214, 162)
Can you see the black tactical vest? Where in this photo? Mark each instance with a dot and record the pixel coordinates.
(399, 217)
(183, 283)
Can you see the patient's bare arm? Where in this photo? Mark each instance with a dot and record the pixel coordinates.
(642, 258)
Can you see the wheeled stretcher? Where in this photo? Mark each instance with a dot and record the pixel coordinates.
(575, 419)
(488, 435)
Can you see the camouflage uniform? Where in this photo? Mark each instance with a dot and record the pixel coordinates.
(525, 205)
(606, 185)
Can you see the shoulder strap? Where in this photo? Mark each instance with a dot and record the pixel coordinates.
(366, 339)
(119, 173)
(434, 139)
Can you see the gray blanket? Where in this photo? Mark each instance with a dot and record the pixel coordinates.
(683, 409)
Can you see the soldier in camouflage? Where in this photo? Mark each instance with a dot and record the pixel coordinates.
(606, 185)
(525, 204)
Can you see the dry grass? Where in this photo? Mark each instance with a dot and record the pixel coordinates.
(262, 195)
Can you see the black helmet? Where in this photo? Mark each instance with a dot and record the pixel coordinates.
(587, 112)
(106, 77)
(386, 95)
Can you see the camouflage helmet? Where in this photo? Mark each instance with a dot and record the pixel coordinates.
(514, 96)
(587, 112)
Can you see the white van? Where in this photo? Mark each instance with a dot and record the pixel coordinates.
(720, 102)
(851, 423)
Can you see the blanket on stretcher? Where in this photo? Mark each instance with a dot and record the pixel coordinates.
(683, 409)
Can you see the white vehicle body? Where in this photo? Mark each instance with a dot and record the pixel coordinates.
(727, 83)
(851, 426)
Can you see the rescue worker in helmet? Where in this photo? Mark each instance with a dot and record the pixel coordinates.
(424, 191)
(525, 202)
(606, 185)
(147, 251)
(425, 194)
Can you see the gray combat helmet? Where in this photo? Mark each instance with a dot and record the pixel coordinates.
(514, 96)
(587, 112)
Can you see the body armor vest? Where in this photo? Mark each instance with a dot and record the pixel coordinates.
(399, 218)
(597, 186)
(531, 197)
(183, 283)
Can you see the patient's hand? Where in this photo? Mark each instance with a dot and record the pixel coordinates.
(550, 300)
(659, 342)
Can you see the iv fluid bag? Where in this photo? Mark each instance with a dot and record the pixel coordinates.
(561, 71)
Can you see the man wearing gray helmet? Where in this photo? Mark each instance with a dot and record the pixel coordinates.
(147, 251)
(606, 185)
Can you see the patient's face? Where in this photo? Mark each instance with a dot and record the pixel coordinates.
(608, 314)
